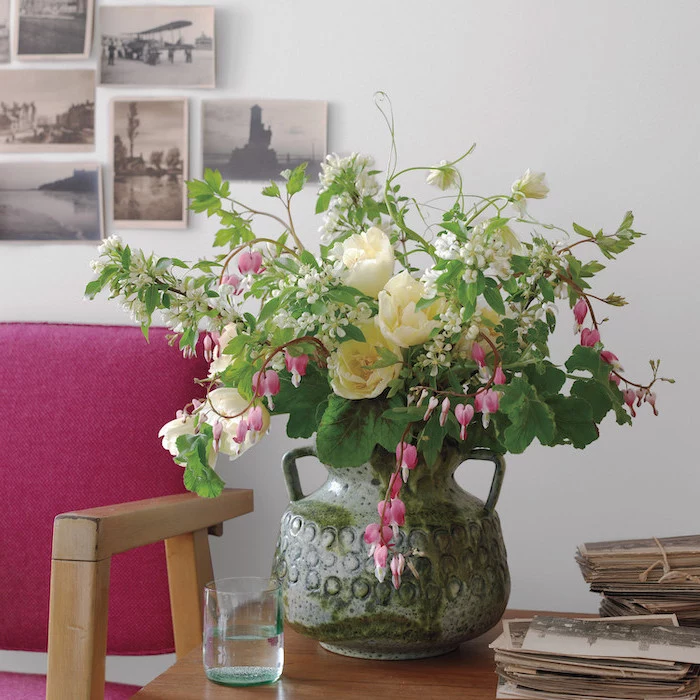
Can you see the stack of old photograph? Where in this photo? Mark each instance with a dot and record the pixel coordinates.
(646, 576)
(625, 658)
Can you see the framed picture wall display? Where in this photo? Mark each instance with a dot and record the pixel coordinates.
(51, 202)
(149, 159)
(4, 31)
(157, 46)
(52, 29)
(47, 110)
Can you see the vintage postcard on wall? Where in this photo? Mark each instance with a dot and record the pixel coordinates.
(4, 31)
(257, 139)
(157, 45)
(149, 157)
(51, 202)
(47, 110)
(60, 29)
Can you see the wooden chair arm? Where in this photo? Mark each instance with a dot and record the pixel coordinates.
(83, 545)
(99, 533)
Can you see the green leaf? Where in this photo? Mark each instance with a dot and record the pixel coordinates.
(386, 358)
(530, 416)
(546, 289)
(588, 360)
(93, 288)
(546, 378)
(126, 257)
(494, 299)
(303, 402)
(574, 421)
(324, 199)
(582, 231)
(197, 188)
(152, 298)
(431, 437)
(354, 333)
(213, 179)
(272, 190)
(199, 477)
(297, 179)
(520, 263)
(627, 222)
(236, 345)
(595, 395)
(350, 430)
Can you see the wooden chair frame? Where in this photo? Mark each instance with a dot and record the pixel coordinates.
(83, 545)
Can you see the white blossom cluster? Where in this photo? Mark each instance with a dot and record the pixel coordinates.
(355, 168)
(488, 253)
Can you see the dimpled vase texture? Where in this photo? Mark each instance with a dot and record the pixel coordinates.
(329, 587)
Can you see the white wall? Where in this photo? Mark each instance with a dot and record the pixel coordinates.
(603, 97)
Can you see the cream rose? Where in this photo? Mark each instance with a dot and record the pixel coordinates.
(369, 259)
(352, 377)
(172, 430)
(398, 319)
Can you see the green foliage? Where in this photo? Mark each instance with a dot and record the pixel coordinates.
(193, 453)
(305, 404)
(349, 431)
(529, 414)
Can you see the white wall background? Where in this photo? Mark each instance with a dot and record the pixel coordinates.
(603, 96)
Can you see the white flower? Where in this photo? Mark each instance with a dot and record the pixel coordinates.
(369, 259)
(397, 317)
(172, 430)
(351, 373)
(443, 176)
(221, 360)
(529, 186)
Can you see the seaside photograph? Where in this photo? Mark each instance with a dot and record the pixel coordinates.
(50, 202)
(149, 157)
(257, 139)
(4, 31)
(59, 29)
(47, 110)
(157, 46)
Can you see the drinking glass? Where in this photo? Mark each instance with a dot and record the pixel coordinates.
(243, 638)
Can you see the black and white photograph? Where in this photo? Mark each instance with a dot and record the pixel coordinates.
(50, 202)
(47, 110)
(149, 156)
(4, 31)
(157, 45)
(615, 639)
(258, 139)
(60, 29)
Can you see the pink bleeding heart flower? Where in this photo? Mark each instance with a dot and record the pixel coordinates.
(380, 556)
(397, 566)
(392, 512)
(241, 431)
(651, 400)
(267, 384)
(580, 311)
(444, 410)
(406, 458)
(373, 535)
(233, 281)
(208, 345)
(464, 414)
(611, 359)
(250, 261)
(614, 378)
(395, 485)
(431, 407)
(255, 419)
(297, 366)
(499, 376)
(478, 354)
(486, 402)
(217, 429)
(629, 396)
(589, 337)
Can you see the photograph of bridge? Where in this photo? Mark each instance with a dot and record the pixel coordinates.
(162, 46)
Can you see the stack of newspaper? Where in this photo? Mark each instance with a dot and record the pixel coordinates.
(639, 577)
(625, 658)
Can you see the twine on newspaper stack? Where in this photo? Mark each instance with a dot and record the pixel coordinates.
(669, 574)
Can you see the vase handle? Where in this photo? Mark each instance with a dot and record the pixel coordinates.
(499, 473)
(291, 473)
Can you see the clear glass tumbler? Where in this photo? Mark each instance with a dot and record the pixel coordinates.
(243, 638)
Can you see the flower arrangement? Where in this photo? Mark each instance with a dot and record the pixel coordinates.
(400, 333)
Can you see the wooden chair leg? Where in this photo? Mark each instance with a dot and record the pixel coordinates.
(77, 629)
(189, 569)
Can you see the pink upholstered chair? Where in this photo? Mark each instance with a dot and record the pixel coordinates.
(81, 408)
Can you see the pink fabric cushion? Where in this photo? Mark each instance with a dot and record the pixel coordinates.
(82, 406)
(29, 686)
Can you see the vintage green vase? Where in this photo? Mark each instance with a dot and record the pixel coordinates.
(329, 588)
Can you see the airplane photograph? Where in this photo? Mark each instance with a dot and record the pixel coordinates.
(158, 46)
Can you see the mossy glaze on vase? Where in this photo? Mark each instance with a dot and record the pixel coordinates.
(452, 538)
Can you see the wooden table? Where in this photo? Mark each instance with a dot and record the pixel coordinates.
(313, 672)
